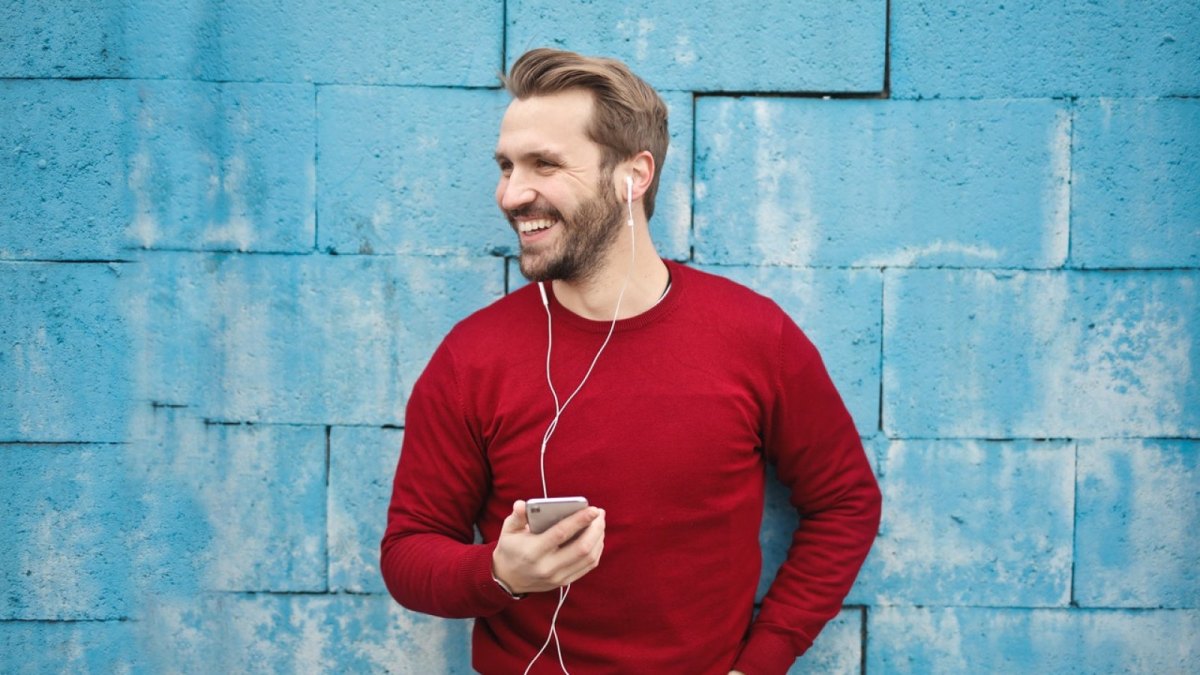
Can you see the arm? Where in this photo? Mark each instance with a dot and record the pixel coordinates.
(429, 560)
(810, 437)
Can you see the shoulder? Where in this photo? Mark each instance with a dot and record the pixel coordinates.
(743, 312)
(728, 299)
(517, 316)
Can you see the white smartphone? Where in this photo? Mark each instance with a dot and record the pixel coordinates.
(544, 513)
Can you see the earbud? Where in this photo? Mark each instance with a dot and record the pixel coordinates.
(629, 198)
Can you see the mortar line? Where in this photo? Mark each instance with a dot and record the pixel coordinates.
(200, 80)
(1071, 600)
(863, 639)
(328, 497)
(887, 61)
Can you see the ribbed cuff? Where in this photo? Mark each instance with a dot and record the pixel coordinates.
(765, 653)
(476, 573)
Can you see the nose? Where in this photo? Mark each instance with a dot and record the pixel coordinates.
(514, 191)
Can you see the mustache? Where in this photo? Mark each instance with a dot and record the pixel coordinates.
(533, 211)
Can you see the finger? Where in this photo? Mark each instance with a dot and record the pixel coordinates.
(583, 566)
(516, 521)
(579, 555)
(568, 527)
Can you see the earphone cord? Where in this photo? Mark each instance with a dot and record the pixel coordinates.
(558, 411)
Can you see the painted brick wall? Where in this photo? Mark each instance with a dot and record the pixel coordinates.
(231, 234)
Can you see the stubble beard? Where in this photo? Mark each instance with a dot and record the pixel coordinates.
(586, 237)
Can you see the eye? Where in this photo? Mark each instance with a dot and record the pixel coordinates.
(505, 167)
(543, 164)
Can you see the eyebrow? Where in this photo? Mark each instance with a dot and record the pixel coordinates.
(536, 154)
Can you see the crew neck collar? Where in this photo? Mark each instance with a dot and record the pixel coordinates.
(666, 304)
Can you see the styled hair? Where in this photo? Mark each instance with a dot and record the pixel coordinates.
(628, 116)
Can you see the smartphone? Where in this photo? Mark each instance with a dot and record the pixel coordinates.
(544, 513)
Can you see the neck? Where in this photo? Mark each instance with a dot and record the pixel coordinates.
(596, 297)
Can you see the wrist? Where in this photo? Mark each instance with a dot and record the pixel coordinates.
(502, 584)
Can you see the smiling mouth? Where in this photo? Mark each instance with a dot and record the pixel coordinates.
(531, 226)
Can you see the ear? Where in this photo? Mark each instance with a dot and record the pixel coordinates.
(640, 168)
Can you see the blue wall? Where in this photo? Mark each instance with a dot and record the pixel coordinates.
(232, 233)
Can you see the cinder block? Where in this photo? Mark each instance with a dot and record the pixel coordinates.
(973, 523)
(841, 312)
(62, 167)
(410, 171)
(59, 39)
(773, 46)
(1134, 188)
(362, 464)
(959, 640)
(1038, 49)
(1135, 531)
(34, 648)
(1040, 354)
(377, 42)
(223, 167)
(453, 44)
(838, 649)
(64, 352)
(66, 517)
(304, 634)
(881, 183)
(228, 507)
(297, 339)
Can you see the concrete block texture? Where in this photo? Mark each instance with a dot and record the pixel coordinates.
(366, 42)
(302, 634)
(63, 168)
(1054, 642)
(1002, 354)
(299, 339)
(64, 352)
(882, 183)
(1134, 168)
(838, 649)
(972, 523)
(226, 507)
(1136, 543)
(410, 171)
(84, 647)
(841, 312)
(66, 520)
(1042, 49)
(223, 167)
(362, 464)
(99, 167)
(773, 46)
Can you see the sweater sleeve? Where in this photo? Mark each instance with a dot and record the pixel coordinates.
(810, 437)
(428, 559)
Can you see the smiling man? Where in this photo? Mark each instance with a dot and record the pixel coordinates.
(655, 391)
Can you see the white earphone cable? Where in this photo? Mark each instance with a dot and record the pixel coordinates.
(558, 411)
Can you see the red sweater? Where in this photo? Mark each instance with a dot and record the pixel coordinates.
(669, 436)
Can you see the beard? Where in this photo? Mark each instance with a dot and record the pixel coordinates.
(586, 236)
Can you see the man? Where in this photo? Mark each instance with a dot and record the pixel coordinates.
(656, 391)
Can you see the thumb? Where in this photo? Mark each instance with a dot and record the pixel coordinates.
(516, 521)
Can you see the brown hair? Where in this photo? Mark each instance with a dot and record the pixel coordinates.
(628, 115)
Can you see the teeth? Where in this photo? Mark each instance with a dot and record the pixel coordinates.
(534, 225)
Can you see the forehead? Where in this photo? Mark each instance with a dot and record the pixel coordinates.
(555, 122)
